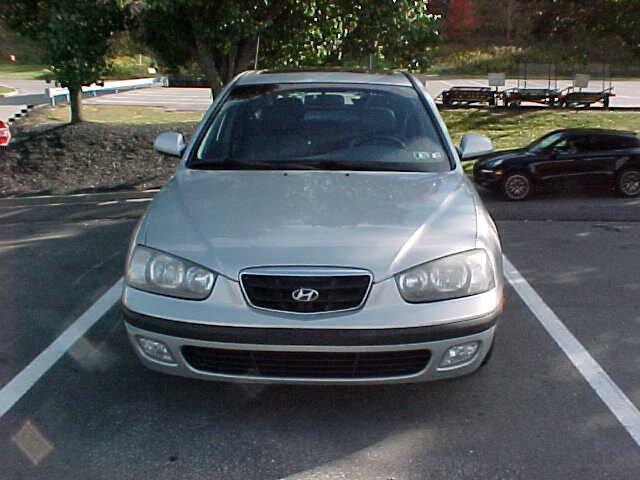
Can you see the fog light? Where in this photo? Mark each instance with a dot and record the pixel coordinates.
(156, 350)
(459, 354)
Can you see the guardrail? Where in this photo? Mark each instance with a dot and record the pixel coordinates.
(110, 86)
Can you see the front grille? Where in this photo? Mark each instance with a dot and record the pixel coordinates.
(335, 293)
(327, 365)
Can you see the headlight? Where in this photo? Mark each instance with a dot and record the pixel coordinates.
(459, 275)
(159, 272)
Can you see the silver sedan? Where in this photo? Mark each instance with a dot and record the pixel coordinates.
(319, 228)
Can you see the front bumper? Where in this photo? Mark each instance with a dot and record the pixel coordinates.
(437, 339)
(487, 178)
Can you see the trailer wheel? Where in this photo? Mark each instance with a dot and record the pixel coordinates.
(445, 100)
(605, 102)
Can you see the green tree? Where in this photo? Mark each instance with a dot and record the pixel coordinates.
(73, 35)
(221, 37)
(620, 18)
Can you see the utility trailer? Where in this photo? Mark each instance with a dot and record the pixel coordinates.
(577, 96)
(537, 83)
(513, 97)
(573, 97)
(468, 95)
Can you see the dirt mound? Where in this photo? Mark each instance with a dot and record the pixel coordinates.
(88, 157)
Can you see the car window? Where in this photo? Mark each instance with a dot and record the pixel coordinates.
(612, 142)
(355, 127)
(547, 142)
(574, 144)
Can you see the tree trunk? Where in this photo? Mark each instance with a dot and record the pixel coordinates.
(207, 63)
(509, 21)
(75, 102)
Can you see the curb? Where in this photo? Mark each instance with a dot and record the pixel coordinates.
(23, 112)
(13, 93)
(77, 198)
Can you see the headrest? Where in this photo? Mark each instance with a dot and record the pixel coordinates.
(377, 120)
(285, 114)
(324, 100)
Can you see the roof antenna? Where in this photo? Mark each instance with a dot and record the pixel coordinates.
(255, 63)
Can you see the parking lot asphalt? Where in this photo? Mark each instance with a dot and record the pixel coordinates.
(627, 93)
(97, 413)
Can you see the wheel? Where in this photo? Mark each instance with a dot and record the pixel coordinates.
(517, 186)
(628, 183)
(605, 102)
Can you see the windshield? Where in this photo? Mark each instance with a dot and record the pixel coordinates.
(545, 142)
(373, 128)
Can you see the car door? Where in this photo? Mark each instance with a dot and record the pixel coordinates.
(597, 164)
(557, 163)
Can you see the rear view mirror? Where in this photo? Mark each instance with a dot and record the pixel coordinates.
(170, 143)
(474, 145)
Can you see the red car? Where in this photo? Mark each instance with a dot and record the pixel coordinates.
(5, 134)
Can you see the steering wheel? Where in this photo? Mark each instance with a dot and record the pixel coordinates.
(380, 140)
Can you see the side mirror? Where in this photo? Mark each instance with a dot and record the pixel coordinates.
(170, 143)
(474, 145)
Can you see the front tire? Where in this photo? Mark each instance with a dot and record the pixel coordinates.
(517, 186)
(628, 183)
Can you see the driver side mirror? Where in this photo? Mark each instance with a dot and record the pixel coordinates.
(170, 143)
(474, 145)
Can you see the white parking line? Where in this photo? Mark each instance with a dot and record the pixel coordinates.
(22, 383)
(613, 397)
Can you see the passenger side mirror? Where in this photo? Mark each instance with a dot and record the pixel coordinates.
(474, 145)
(170, 143)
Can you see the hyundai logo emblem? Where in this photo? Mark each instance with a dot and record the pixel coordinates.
(305, 295)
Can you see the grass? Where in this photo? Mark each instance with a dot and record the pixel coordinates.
(506, 128)
(4, 90)
(118, 114)
(513, 129)
(23, 72)
(460, 61)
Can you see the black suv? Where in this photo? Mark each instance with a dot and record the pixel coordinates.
(575, 156)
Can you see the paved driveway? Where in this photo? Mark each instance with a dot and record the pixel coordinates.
(627, 94)
(96, 413)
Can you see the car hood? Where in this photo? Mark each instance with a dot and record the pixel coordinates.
(384, 222)
(500, 157)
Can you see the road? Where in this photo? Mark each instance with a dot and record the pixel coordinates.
(627, 94)
(29, 92)
(97, 413)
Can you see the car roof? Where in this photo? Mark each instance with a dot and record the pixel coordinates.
(594, 131)
(262, 77)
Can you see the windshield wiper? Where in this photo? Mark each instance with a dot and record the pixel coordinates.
(232, 164)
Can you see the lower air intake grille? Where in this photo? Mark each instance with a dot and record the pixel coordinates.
(306, 364)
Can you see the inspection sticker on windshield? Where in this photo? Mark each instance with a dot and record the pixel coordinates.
(426, 156)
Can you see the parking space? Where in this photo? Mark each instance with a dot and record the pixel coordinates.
(97, 413)
(172, 98)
